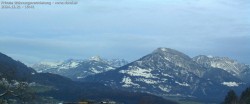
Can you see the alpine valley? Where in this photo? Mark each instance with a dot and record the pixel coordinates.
(20, 84)
(163, 74)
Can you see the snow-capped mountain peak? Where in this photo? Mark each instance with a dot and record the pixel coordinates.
(210, 56)
(225, 63)
(233, 67)
(167, 71)
(95, 58)
(69, 64)
(166, 50)
(44, 65)
(163, 49)
(171, 53)
(169, 56)
(78, 69)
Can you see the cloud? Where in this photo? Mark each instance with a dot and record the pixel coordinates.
(127, 29)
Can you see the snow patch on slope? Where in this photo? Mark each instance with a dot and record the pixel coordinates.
(128, 82)
(230, 84)
(95, 71)
(165, 89)
(165, 74)
(137, 71)
(148, 81)
(182, 84)
(70, 64)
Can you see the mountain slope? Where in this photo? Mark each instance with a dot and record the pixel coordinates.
(167, 72)
(12, 69)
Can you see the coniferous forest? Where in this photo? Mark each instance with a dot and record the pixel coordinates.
(232, 98)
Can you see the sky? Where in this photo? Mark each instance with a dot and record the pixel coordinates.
(127, 29)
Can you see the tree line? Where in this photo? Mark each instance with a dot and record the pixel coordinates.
(232, 98)
(15, 92)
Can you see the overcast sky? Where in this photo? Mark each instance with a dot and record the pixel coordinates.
(127, 29)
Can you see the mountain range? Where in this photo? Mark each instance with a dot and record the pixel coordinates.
(164, 72)
(78, 69)
(66, 90)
